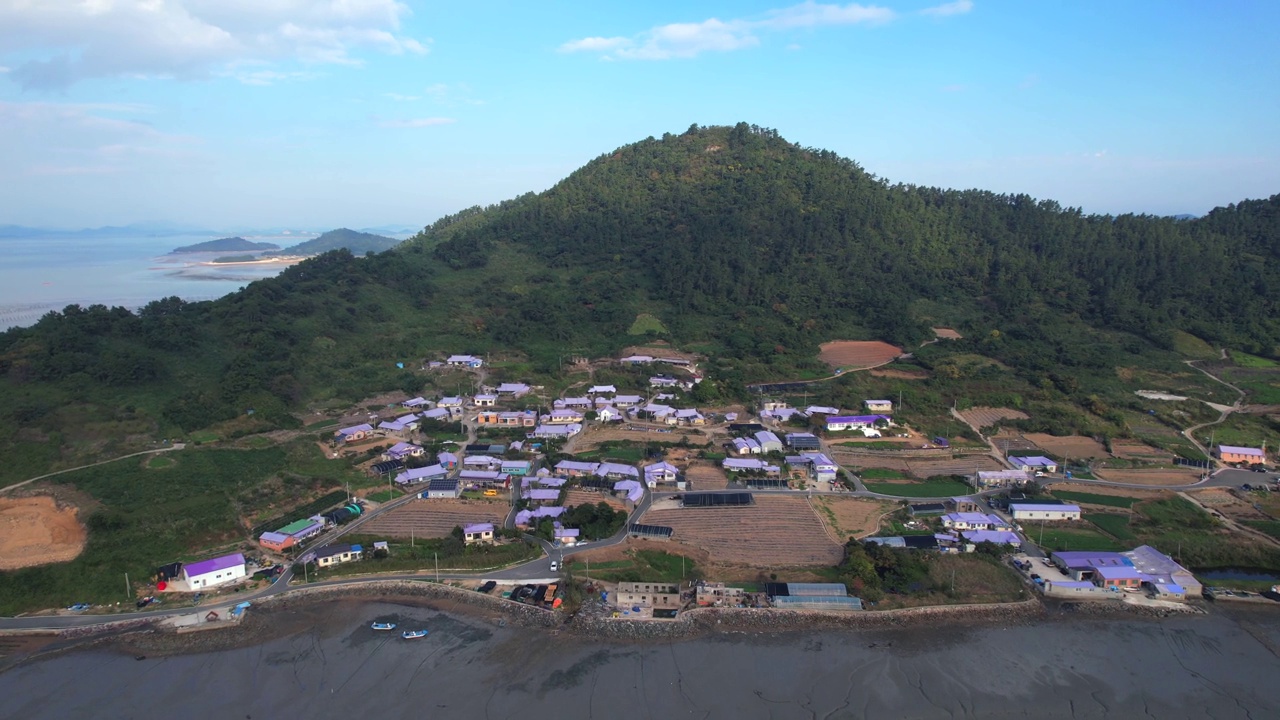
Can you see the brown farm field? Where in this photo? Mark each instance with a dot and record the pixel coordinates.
(1072, 446)
(577, 497)
(857, 353)
(863, 460)
(1171, 476)
(958, 466)
(434, 518)
(944, 333)
(1134, 450)
(1096, 489)
(899, 374)
(847, 517)
(1223, 501)
(703, 476)
(775, 532)
(981, 416)
(37, 530)
(593, 438)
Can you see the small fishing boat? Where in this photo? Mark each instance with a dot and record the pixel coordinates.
(383, 626)
(413, 634)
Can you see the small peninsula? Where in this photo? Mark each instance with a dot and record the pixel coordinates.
(231, 244)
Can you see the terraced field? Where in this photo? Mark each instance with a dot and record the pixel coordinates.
(590, 497)
(957, 466)
(981, 416)
(775, 532)
(705, 477)
(434, 518)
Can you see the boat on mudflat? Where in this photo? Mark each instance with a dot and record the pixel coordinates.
(383, 626)
(413, 634)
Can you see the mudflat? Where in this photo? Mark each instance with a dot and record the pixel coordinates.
(332, 664)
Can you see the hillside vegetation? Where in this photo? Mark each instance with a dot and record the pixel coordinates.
(356, 242)
(729, 240)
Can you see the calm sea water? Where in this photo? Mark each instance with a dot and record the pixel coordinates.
(42, 274)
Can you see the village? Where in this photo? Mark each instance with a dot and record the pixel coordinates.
(537, 488)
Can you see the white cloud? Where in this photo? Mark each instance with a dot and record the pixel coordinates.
(687, 40)
(270, 77)
(3, 69)
(811, 14)
(417, 122)
(402, 98)
(74, 40)
(959, 7)
(86, 138)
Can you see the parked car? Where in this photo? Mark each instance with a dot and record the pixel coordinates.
(555, 566)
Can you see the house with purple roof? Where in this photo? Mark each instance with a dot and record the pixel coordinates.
(631, 490)
(484, 462)
(469, 361)
(838, 423)
(549, 482)
(574, 468)
(447, 460)
(567, 536)
(562, 417)
(484, 400)
(768, 442)
(440, 414)
(999, 537)
(513, 389)
(214, 572)
(551, 432)
(1237, 454)
(617, 471)
(745, 446)
(402, 450)
(526, 518)
(416, 403)
(636, 360)
(660, 472)
(570, 403)
(974, 521)
(609, 414)
(626, 401)
(541, 496)
(663, 382)
(483, 477)
(422, 474)
(1033, 463)
(477, 533)
(353, 433)
(690, 416)
(602, 390)
(1043, 511)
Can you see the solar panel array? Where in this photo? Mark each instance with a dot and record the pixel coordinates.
(659, 532)
(766, 483)
(708, 499)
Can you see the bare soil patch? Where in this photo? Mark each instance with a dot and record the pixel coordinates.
(703, 476)
(1094, 489)
(859, 460)
(1072, 446)
(857, 353)
(578, 496)
(1152, 477)
(900, 374)
(1228, 504)
(434, 518)
(1134, 450)
(848, 517)
(37, 530)
(957, 466)
(775, 532)
(981, 416)
(944, 333)
(657, 350)
(593, 438)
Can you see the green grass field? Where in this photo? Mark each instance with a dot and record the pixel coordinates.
(1077, 538)
(1270, 527)
(1244, 359)
(1187, 344)
(140, 517)
(642, 566)
(881, 474)
(920, 490)
(647, 324)
(1092, 499)
(1114, 524)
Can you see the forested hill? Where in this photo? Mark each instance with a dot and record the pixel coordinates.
(738, 243)
(721, 221)
(358, 243)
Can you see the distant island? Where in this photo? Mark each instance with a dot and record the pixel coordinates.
(231, 244)
(342, 238)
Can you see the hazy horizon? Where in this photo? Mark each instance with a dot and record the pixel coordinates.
(371, 112)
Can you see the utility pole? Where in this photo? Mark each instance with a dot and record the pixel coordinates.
(437, 557)
(128, 589)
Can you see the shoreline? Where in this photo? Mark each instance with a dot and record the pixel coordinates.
(283, 616)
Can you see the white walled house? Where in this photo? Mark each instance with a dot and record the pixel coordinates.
(1036, 511)
(214, 572)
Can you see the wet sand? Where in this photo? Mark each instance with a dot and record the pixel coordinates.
(327, 662)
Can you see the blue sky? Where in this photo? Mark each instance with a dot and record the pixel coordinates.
(287, 113)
